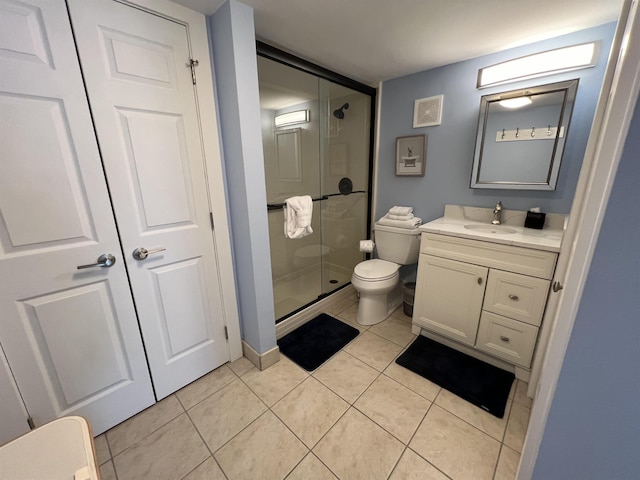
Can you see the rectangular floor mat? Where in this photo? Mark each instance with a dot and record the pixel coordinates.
(477, 382)
(312, 344)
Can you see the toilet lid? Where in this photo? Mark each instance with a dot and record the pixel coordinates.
(376, 269)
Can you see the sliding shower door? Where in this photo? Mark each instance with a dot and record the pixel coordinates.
(316, 141)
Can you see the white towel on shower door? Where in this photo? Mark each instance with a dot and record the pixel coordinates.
(297, 216)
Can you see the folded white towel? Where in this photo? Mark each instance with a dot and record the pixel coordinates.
(411, 223)
(400, 210)
(297, 216)
(399, 217)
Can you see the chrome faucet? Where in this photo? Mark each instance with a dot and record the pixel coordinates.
(497, 214)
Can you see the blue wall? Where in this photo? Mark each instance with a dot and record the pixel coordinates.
(451, 145)
(593, 430)
(235, 67)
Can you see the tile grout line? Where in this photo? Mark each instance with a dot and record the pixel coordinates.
(206, 445)
(149, 433)
(414, 434)
(212, 453)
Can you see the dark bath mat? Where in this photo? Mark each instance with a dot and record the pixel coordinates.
(477, 382)
(312, 344)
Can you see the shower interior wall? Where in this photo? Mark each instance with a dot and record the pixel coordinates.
(330, 149)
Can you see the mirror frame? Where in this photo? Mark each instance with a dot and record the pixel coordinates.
(569, 88)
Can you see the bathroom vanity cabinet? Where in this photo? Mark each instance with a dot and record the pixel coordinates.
(484, 295)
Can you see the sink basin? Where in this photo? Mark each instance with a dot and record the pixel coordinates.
(497, 229)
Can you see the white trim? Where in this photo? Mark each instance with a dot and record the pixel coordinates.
(600, 169)
(206, 105)
(376, 157)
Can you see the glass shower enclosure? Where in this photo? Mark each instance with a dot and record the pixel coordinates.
(317, 137)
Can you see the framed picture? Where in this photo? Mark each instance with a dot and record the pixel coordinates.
(411, 155)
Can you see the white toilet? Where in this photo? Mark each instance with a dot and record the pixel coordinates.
(377, 280)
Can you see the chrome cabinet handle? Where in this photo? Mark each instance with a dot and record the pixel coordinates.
(513, 297)
(504, 339)
(141, 253)
(557, 286)
(104, 260)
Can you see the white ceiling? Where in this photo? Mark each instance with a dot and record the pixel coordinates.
(374, 40)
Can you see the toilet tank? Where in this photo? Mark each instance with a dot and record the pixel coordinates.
(398, 245)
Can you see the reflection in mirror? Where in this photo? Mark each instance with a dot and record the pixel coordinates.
(521, 136)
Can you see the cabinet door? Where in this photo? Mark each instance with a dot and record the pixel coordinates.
(449, 297)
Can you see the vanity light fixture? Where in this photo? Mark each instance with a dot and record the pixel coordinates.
(515, 102)
(550, 62)
(292, 118)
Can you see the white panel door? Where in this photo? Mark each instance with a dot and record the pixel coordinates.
(70, 336)
(13, 414)
(136, 68)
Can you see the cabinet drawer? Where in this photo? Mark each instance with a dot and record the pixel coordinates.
(509, 339)
(516, 296)
(536, 263)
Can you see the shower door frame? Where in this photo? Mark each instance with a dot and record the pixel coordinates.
(272, 53)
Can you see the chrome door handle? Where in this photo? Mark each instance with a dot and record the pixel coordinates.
(141, 253)
(104, 260)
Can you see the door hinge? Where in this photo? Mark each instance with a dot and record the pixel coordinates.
(31, 423)
(193, 64)
(226, 333)
(211, 218)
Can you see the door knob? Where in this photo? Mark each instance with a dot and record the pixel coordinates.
(104, 260)
(141, 253)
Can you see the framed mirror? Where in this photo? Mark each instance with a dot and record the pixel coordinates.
(521, 137)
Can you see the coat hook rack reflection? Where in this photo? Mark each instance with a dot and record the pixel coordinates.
(519, 134)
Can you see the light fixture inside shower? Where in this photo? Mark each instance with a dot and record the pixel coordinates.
(292, 118)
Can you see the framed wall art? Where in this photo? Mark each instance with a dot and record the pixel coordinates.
(411, 155)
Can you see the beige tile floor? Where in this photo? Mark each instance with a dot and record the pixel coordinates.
(358, 416)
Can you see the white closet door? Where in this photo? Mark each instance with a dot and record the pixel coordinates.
(136, 68)
(70, 336)
(13, 415)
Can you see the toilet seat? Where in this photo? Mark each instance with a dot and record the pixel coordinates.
(375, 270)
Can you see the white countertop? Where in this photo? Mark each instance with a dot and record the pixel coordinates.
(457, 217)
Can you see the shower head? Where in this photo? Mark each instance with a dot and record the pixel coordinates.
(339, 113)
